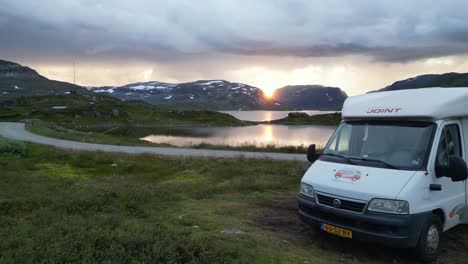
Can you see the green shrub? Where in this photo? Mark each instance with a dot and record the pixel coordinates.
(8, 146)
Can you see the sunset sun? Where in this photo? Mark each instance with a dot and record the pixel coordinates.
(268, 93)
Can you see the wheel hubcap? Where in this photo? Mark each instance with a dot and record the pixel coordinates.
(432, 239)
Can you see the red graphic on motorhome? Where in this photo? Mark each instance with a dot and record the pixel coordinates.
(353, 175)
(383, 110)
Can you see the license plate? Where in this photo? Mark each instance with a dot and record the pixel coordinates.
(337, 230)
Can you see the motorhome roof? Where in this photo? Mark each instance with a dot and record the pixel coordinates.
(423, 104)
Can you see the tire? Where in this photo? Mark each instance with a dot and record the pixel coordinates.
(429, 243)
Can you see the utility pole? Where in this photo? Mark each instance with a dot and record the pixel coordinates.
(74, 73)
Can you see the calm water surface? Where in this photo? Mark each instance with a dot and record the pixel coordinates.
(262, 115)
(259, 135)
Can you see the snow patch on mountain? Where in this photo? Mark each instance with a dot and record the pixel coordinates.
(212, 82)
(101, 91)
(148, 87)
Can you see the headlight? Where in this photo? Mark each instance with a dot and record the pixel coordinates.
(307, 189)
(389, 206)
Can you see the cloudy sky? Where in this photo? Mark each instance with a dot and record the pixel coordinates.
(356, 45)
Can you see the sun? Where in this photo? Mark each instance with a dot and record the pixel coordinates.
(268, 93)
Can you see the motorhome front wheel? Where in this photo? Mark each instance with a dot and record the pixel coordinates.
(430, 239)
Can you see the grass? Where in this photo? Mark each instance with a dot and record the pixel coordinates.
(54, 131)
(254, 148)
(12, 147)
(61, 206)
(325, 119)
(72, 207)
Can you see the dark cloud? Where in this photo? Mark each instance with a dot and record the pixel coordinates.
(396, 31)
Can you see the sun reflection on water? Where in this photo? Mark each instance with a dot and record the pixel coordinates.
(268, 134)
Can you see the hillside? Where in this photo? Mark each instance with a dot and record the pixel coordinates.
(10, 69)
(17, 80)
(451, 79)
(311, 97)
(78, 110)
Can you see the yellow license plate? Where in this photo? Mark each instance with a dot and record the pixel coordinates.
(337, 230)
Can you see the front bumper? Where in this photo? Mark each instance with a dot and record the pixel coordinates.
(400, 231)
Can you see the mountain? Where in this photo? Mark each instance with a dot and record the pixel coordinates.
(202, 94)
(10, 69)
(224, 95)
(17, 80)
(311, 97)
(451, 79)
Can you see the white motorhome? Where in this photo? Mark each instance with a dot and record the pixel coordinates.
(394, 171)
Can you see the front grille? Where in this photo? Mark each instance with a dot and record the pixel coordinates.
(345, 204)
(350, 222)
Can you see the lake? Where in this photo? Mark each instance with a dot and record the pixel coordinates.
(264, 115)
(259, 135)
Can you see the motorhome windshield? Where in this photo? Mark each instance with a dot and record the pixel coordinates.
(392, 145)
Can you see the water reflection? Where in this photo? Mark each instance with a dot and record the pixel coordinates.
(265, 115)
(259, 135)
(268, 134)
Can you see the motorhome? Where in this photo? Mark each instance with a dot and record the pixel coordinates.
(394, 171)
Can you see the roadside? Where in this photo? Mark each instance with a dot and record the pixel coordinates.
(130, 136)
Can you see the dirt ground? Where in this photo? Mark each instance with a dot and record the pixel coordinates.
(281, 217)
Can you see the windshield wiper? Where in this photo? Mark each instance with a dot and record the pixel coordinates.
(340, 156)
(378, 161)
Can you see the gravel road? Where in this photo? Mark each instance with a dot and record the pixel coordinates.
(17, 131)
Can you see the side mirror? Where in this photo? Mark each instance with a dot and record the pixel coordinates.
(312, 153)
(457, 169)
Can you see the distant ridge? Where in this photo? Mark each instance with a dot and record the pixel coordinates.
(225, 95)
(451, 79)
(17, 80)
(202, 94)
(311, 97)
(10, 69)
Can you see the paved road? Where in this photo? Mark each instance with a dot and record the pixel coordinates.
(18, 132)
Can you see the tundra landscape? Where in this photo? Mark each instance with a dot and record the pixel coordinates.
(182, 133)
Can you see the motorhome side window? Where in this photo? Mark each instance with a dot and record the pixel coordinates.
(340, 143)
(449, 145)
